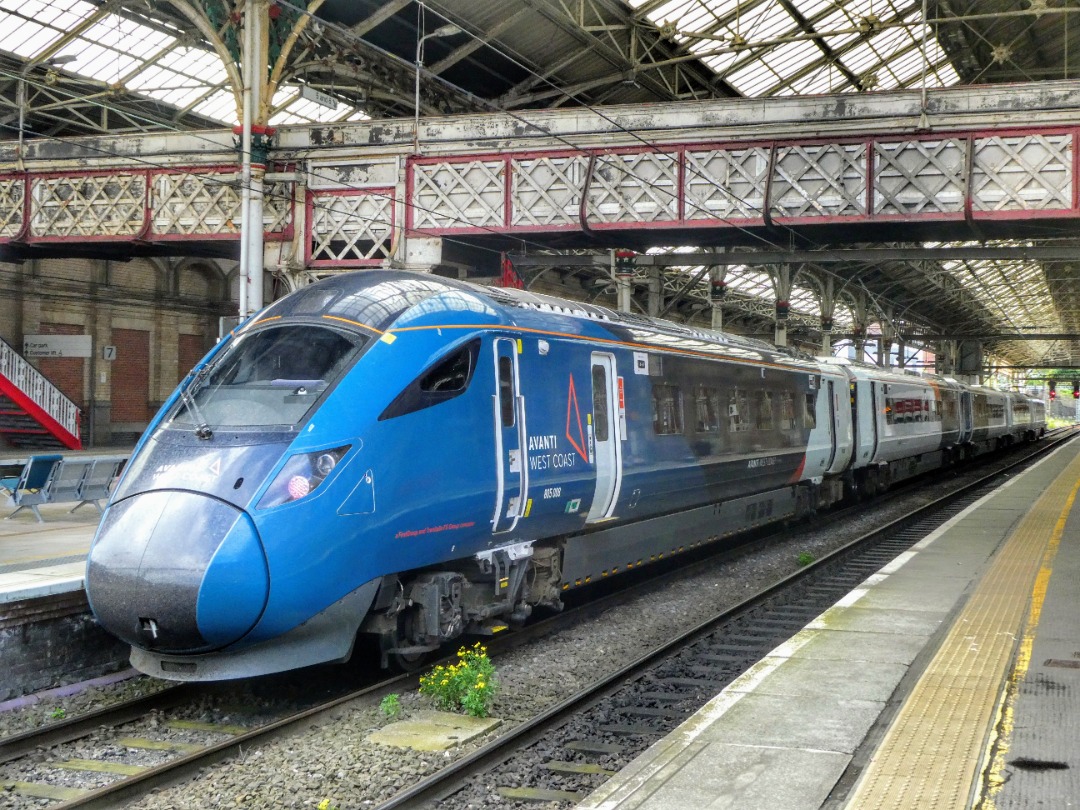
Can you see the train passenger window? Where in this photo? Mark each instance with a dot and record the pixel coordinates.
(764, 411)
(706, 409)
(667, 409)
(449, 377)
(948, 407)
(506, 391)
(739, 412)
(809, 414)
(600, 403)
(787, 411)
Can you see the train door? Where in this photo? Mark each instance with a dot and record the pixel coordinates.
(834, 439)
(511, 471)
(877, 400)
(606, 436)
(967, 420)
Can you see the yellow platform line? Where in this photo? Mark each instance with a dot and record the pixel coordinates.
(993, 772)
(932, 752)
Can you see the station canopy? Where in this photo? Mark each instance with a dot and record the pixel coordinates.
(89, 67)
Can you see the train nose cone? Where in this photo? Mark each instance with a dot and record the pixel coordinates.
(177, 572)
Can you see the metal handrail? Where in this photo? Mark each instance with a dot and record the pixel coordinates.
(38, 389)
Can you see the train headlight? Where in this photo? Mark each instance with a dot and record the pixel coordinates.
(301, 476)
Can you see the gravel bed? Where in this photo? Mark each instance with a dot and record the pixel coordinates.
(334, 761)
(48, 708)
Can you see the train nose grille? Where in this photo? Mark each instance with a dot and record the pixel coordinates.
(177, 572)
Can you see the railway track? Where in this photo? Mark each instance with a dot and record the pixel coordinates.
(150, 741)
(567, 752)
(155, 741)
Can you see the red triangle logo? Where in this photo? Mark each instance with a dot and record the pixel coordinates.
(572, 404)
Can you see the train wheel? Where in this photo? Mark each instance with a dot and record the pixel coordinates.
(398, 649)
(400, 656)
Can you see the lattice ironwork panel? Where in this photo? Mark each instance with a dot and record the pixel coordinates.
(919, 177)
(189, 204)
(821, 180)
(546, 190)
(209, 204)
(278, 206)
(12, 191)
(351, 229)
(726, 183)
(635, 187)
(108, 205)
(1023, 173)
(449, 196)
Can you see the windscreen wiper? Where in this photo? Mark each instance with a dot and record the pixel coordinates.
(202, 427)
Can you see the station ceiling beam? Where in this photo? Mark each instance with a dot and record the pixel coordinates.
(1044, 253)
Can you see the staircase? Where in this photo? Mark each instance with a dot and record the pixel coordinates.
(33, 413)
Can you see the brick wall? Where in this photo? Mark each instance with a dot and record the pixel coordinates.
(66, 373)
(130, 384)
(192, 349)
(53, 640)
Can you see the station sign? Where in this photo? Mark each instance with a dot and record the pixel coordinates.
(318, 97)
(57, 345)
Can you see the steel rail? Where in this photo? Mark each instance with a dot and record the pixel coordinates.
(18, 745)
(110, 796)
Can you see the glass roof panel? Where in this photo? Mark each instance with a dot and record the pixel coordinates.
(220, 105)
(149, 61)
(874, 38)
(827, 79)
(27, 38)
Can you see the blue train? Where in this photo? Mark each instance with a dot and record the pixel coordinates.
(416, 458)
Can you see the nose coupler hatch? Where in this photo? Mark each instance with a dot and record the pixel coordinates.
(148, 630)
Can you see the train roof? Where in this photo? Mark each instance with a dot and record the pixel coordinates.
(377, 298)
(374, 298)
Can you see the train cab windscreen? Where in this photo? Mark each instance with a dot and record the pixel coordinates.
(272, 376)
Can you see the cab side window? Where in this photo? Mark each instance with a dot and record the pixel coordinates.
(447, 378)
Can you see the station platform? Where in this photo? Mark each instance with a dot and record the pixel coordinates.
(949, 679)
(47, 635)
(45, 558)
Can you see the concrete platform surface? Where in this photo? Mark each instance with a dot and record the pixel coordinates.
(41, 559)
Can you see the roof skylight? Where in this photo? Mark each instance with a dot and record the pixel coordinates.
(807, 46)
(150, 61)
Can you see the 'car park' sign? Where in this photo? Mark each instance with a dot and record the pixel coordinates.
(57, 346)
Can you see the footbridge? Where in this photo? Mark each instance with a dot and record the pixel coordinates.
(946, 163)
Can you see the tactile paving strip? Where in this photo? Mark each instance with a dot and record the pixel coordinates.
(932, 753)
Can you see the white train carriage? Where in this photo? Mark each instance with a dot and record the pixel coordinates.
(1038, 418)
(904, 423)
(1027, 418)
(986, 413)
